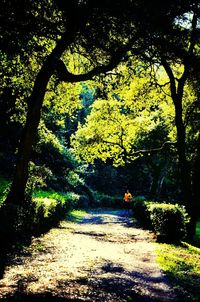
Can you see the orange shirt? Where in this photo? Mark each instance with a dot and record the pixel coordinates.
(127, 197)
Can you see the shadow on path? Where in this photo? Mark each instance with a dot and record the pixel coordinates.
(111, 217)
(46, 297)
(100, 259)
(110, 283)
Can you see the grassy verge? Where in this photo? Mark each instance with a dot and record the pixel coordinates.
(182, 266)
(76, 215)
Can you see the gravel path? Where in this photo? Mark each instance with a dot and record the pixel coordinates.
(105, 258)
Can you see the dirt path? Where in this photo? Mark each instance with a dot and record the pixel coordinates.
(107, 257)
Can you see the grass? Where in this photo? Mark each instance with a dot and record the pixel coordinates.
(68, 197)
(76, 215)
(182, 266)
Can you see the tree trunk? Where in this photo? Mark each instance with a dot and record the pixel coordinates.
(17, 191)
(185, 173)
(155, 183)
(196, 187)
(16, 194)
(181, 148)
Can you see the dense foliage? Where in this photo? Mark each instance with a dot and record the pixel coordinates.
(169, 221)
(69, 128)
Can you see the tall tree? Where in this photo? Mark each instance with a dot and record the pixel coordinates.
(104, 31)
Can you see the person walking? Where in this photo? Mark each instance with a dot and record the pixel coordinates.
(127, 201)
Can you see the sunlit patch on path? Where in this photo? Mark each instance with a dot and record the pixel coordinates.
(106, 257)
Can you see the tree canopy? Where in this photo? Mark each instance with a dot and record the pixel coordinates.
(49, 47)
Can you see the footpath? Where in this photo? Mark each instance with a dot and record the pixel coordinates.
(106, 258)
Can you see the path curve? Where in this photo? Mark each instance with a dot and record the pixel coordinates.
(106, 258)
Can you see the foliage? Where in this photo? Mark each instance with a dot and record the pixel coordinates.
(134, 115)
(48, 212)
(35, 215)
(140, 210)
(16, 220)
(182, 266)
(68, 199)
(103, 200)
(197, 235)
(139, 199)
(116, 124)
(169, 221)
(84, 202)
(4, 186)
(126, 117)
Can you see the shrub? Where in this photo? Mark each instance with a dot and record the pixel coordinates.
(68, 199)
(48, 212)
(16, 220)
(4, 187)
(168, 220)
(141, 212)
(83, 201)
(103, 200)
(139, 198)
(50, 207)
(36, 215)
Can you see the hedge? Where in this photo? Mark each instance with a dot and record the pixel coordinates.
(37, 215)
(168, 221)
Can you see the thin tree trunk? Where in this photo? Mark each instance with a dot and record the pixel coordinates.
(181, 148)
(185, 173)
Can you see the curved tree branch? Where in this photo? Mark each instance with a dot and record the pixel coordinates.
(154, 150)
(66, 76)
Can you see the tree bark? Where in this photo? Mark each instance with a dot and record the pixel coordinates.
(185, 171)
(181, 149)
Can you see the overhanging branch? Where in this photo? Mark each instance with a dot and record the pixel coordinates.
(66, 76)
(152, 151)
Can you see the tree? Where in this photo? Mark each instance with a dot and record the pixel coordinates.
(74, 20)
(129, 123)
(103, 31)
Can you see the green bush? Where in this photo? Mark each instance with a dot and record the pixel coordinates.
(48, 212)
(139, 198)
(83, 202)
(4, 186)
(36, 215)
(50, 207)
(16, 220)
(141, 212)
(68, 200)
(103, 200)
(168, 220)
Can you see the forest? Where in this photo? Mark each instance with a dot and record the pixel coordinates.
(97, 98)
